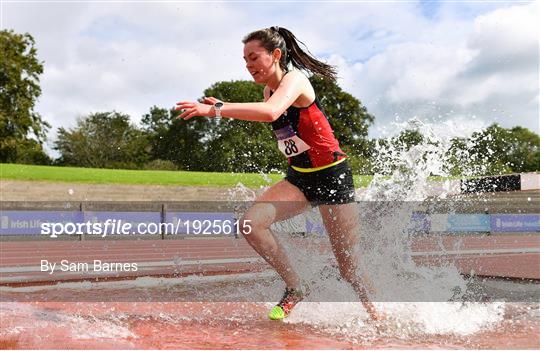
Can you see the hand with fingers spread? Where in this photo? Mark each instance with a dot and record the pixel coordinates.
(192, 109)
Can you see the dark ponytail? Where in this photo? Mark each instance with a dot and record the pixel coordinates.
(283, 39)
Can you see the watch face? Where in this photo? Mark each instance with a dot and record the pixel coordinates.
(218, 104)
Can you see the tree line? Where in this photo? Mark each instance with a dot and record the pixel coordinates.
(111, 140)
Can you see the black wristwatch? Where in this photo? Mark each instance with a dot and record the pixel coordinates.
(217, 107)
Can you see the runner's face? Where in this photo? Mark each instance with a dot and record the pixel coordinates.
(260, 64)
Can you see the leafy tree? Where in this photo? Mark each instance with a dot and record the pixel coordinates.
(180, 142)
(22, 130)
(524, 151)
(496, 150)
(386, 154)
(487, 151)
(160, 165)
(350, 119)
(408, 138)
(103, 140)
(29, 151)
(240, 146)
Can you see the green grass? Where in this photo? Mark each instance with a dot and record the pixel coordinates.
(123, 176)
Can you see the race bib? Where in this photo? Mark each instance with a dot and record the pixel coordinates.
(289, 143)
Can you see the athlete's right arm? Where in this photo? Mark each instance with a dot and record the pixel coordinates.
(212, 100)
(290, 88)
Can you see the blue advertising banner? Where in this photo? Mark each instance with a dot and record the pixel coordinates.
(515, 223)
(201, 223)
(30, 222)
(459, 223)
(468, 223)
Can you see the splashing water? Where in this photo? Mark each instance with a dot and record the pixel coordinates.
(241, 193)
(330, 315)
(385, 253)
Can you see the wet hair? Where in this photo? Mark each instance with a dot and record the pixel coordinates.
(291, 53)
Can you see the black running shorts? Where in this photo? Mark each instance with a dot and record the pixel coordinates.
(330, 186)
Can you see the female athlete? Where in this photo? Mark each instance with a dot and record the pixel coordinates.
(318, 172)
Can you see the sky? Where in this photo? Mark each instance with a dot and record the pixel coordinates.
(461, 64)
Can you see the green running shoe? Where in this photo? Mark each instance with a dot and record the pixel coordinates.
(290, 298)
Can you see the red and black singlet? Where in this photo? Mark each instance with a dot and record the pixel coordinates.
(311, 125)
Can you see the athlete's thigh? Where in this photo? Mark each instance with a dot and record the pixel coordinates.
(342, 225)
(281, 201)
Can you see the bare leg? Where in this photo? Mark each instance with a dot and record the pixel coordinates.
(342, 225)
(280, 202)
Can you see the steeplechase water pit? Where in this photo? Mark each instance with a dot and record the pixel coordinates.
(455, 289)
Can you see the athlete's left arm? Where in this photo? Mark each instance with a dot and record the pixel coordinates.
(290, 88)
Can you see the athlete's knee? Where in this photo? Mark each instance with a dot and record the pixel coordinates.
(254, 220)
(251, 224)
(255, 234)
